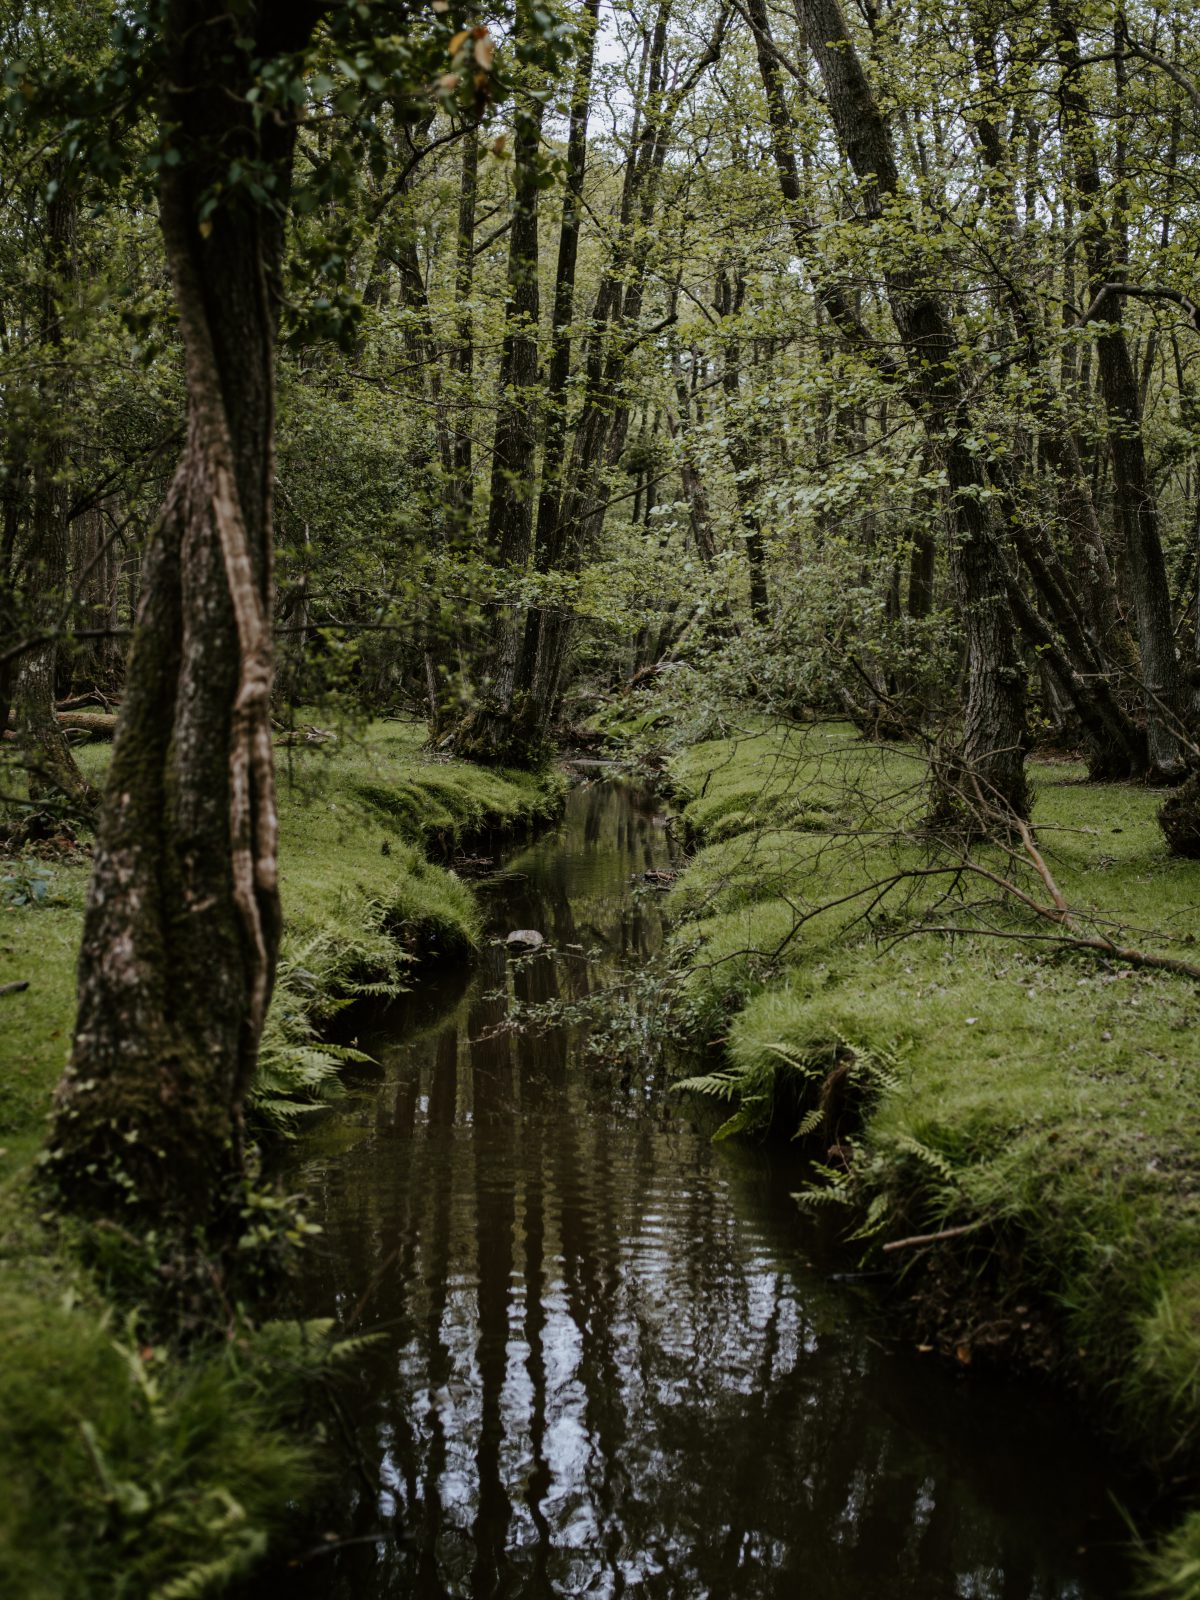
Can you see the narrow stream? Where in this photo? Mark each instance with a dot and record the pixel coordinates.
(606, 1364)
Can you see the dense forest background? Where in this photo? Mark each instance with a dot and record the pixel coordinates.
(846, 358)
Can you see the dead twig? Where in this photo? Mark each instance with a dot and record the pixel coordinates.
(916, 1239)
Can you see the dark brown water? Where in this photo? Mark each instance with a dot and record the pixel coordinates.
(606, 1363)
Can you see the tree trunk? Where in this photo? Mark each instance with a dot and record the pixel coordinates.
(182, 923)
(741, 454)
(994, 733)
(52, 769)
(462, 483)
(600, 432)
(488, 734)
(1136, 503)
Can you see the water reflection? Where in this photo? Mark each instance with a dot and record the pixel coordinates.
(605, 1367)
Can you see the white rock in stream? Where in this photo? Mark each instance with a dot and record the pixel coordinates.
(525, 939)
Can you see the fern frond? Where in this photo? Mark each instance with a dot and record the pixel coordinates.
(722, 1085)
(932, 1159)
(809, 1123)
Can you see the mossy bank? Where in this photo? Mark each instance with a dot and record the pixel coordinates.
(957, 1069)
(134, 1471)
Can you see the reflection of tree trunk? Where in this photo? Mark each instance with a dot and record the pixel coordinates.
(536, 983)
(442, 1097)
(182, 925)
(494, 1221)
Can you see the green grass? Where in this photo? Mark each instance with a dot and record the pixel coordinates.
(130, 1473)
(362, 900)
(142, 1473)
(357, 826)
(1047, 1097)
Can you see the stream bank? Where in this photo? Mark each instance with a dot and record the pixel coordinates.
(1020, 1123)
(137, 1468)
(604, 1359)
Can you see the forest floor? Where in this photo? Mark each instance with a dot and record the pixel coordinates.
(1036, 1104)
(134, 1470)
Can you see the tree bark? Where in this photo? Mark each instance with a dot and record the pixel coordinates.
(488, 734)
(729, 297)
(462, 483)
(182, 923)
(53, 772)
(994, 733)
(1136, 502)
(604, 415)
(691, 480)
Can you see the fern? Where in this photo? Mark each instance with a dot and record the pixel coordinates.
(298, 1072)
(725, 1084)
(931, 1159)
(211, 1577)
(876, 1219)
(818, 1197)
(752, 1114)
(754, 1087)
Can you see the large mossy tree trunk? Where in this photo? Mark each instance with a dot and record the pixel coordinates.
(182, 923)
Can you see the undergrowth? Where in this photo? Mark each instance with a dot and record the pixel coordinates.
(132, 1474)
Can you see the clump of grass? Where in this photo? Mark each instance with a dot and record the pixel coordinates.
(129, 1473)
(1172, 1571)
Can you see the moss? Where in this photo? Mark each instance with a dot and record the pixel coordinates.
(358, 819)
(1044, 1099)
(38, 946)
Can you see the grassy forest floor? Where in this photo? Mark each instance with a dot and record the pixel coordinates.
(133, 1471)
(1037, 1104)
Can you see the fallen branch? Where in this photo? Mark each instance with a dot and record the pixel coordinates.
(1065, 941)
(101, 723)
(934, 1238)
